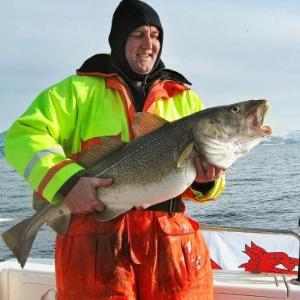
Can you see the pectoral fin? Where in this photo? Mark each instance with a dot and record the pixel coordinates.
(185, 154)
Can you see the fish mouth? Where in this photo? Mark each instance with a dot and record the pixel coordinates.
(258, 117)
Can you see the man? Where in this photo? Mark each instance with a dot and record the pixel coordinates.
(158, 253)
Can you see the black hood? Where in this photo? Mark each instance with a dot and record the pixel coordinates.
(129, 15)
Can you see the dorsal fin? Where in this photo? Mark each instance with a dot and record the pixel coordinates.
(96, 152)
(145, 123)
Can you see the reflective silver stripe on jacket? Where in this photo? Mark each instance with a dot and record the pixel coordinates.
(37, 157)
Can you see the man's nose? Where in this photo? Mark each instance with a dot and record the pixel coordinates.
(147, 42)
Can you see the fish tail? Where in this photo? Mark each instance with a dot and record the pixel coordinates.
(20, 238)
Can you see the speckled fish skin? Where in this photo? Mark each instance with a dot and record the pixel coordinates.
(157, 166)
(146, 171)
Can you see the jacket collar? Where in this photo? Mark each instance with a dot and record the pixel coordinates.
(102, 65)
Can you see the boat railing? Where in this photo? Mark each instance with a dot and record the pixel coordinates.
(253, 249)
(251, 230)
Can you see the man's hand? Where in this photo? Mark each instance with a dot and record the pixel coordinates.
(206, 172)
(82, 198)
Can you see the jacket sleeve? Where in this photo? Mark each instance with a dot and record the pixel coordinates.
(38, 143)
(200, 192)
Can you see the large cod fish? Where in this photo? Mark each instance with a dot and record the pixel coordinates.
(158, 165)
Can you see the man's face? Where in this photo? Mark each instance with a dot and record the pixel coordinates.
(142, 48)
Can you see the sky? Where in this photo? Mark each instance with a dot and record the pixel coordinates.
(231, 50)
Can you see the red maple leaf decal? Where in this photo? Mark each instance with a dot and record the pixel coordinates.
(263, 261)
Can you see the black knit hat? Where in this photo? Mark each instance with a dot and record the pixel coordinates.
(129, 15)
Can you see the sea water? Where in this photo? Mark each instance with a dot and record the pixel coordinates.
(262, 191)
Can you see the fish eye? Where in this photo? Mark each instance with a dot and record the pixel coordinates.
(234, 109)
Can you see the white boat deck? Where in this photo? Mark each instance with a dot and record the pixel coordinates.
(234, 252)
(238, 285)
(37, 282)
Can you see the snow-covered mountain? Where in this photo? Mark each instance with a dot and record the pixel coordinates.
(293, 137)
(284, 137)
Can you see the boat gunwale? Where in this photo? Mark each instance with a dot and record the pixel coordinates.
(250, 230)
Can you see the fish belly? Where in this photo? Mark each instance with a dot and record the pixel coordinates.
(122, 198)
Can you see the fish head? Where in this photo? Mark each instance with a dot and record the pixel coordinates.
(224, 133)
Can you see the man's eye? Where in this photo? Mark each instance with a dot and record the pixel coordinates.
(141, 35)
(136, 35)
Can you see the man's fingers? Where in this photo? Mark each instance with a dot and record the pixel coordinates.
(83, 197)
(210, 173)
(205, 171)
(219, 172)
(98, 183)
(98, 205)
(101, 182)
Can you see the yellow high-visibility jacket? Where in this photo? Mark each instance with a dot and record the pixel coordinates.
(44, 144)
